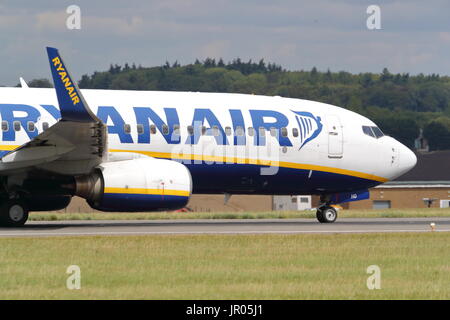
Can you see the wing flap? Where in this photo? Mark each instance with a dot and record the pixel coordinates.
(36, 153)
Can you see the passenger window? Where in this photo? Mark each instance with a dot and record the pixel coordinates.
(295, 132)
(31, 126)
(215, 130)
(190, 130)
(262, 131)
(126, 128)
(273, 132)
(152, 129)
(368, 131)
(140, 129)
(378, 133)
(228, 131)
(176, 129)
(251, 131)
(16, 125)
(45, 126)
(239, 131)
(5, 126)
(284, 132)
(165, 129)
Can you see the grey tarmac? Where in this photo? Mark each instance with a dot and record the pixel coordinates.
(234, 226)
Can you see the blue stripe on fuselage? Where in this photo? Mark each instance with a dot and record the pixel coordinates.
(128, 202)
(242, 178)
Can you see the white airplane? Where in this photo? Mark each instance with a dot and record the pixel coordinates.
(148, 150)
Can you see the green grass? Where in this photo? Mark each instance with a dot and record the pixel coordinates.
(389, 213)
(413, 266)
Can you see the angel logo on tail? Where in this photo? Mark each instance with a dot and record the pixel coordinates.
(309, 126)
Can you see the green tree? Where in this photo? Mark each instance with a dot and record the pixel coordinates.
(438, 134)
(38, 83)
(399, 103)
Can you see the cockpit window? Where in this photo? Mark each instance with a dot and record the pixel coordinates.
(378, 132)
(374, 132)
(368, 130)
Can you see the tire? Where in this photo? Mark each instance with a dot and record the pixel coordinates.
(326, 215)
(13, 213)
(319, 216)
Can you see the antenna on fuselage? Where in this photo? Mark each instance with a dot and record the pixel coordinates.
(23, 84)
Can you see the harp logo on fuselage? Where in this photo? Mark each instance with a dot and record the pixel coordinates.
(309, 126)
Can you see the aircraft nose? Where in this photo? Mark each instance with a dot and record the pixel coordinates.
(407, 159)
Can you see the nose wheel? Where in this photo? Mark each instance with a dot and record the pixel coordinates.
(326, 214)
(13, 213)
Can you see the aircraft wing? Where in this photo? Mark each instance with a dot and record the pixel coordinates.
(75, 144)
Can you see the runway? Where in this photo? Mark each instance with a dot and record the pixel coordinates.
(210, 226)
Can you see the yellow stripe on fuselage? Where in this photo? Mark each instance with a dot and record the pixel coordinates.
(8, 147)
(224, 159)
(162, 192)
(283, 164)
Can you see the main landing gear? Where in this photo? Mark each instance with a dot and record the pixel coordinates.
(13, 213)
(325, 212)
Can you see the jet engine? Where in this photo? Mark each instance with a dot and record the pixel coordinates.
(143, 184)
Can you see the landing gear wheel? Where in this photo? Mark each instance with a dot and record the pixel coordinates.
(13, 213)
(326, 214)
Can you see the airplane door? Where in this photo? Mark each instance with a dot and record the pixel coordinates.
(335, 137)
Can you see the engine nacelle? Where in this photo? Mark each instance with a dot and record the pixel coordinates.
(143, 184)
(46, 202)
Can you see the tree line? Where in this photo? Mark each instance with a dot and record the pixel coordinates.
(401, 104)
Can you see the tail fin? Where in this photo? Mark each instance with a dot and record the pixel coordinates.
(72, 105)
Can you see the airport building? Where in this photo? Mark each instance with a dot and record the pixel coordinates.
(200, 203)
(426, 185)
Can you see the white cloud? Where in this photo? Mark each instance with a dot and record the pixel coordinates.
(50, 20)
(444, 36)
(216, 49)
(113, 25)
(297, 34)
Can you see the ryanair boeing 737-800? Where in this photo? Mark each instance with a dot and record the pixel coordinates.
(150, 150)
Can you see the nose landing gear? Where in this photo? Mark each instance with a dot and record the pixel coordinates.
(13, 213)
(326, 214)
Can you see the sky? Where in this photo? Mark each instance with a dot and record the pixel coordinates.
(328, 34)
